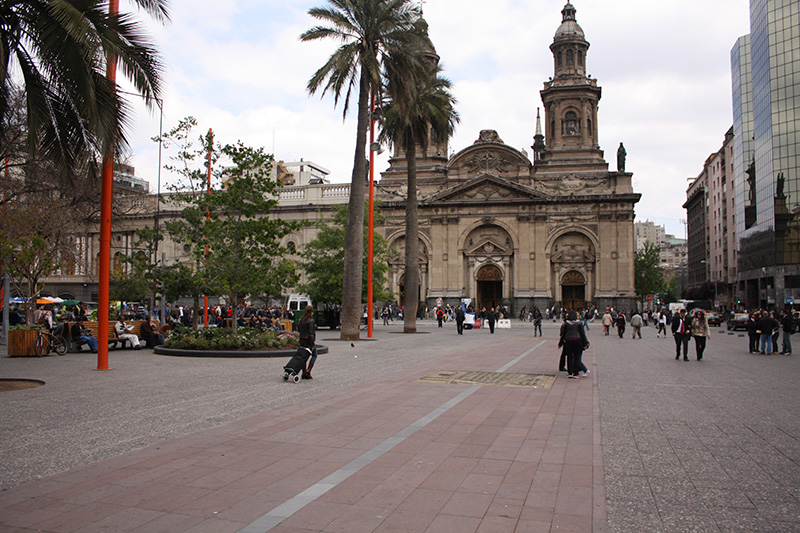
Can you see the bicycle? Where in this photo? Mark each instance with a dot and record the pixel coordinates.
(46, 342)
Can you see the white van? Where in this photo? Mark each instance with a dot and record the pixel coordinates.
(297, 302)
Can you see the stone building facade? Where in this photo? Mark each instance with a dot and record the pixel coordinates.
(497, 227)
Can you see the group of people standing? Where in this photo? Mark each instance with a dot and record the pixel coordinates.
(764, 328)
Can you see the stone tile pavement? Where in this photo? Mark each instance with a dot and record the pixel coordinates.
(645, 443)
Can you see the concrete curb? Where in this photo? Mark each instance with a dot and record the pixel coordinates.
(160, 350)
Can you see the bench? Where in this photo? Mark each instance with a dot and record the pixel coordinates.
(75, 345)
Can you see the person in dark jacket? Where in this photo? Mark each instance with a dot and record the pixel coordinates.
(460, 320)
(767, 326)
(573, 340)
(752, 331)
(787, 325)
(491, 318)
(307, 330)
(682, 331)
(537, 322)
(620, 321)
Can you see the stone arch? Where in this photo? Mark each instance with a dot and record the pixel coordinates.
(573, 259)
(397, 265)
(572, 228)
(488, 249)
(470, 231)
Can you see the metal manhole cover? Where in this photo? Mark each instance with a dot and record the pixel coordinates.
(504, 379)
(7, 384)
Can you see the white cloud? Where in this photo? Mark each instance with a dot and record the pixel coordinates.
(239, 67)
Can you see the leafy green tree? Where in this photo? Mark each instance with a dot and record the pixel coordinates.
(322, 263)
(648, 274)
(371, 32)
(143, 276)
(419, 110)
(54, 51)
(230, 233)
(36, 239)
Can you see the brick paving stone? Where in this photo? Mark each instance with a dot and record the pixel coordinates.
(644, 443)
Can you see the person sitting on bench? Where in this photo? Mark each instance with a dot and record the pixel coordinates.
(124, 332)
(150, 333)
(81, 335)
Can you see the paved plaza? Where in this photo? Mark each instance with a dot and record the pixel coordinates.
(643, 443)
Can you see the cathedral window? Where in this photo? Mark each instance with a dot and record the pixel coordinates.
(570, 58)
(558, 56)
(580, 58)
(589, 125)
(571, 123)
(552, 128)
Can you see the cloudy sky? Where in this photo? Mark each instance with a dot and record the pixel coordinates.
(238, 67)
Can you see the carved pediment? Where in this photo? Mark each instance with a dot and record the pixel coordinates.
(488, 155)
(486, 188)
(490, 247)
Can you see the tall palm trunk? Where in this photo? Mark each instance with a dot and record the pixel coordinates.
(412, 244)
(354, 234)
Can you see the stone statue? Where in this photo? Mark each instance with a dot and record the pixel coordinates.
(781, 182)
(621, 153)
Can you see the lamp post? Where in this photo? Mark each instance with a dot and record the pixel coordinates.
(106, 196)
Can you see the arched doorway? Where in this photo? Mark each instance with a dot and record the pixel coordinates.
(573, 290)
(490, 286)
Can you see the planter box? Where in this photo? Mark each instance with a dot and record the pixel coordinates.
(20, 342)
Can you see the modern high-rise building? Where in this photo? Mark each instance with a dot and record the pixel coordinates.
(766, 107)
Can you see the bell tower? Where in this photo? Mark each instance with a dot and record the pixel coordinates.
(570, 101)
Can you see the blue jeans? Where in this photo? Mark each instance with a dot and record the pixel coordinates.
(787, 343)
(766, 343)
(91, 341)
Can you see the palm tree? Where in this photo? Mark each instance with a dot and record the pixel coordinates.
(419, 110)
(54, 52)
(371, 31)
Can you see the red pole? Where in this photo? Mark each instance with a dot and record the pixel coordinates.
(208, 216)
(371, 226)
(106, 193)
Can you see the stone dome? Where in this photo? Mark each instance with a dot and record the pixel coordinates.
(569, 28)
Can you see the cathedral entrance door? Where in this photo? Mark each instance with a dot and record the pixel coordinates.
(490, 287)
(573, 291)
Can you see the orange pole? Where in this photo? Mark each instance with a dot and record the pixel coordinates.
(208, 217)
(371, 225)
(106, 195)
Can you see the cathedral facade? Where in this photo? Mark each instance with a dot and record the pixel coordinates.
(497, 227)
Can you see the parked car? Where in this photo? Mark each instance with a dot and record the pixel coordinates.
(713, 319)
(739, 321)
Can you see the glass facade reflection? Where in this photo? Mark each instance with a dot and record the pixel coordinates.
(766, 107)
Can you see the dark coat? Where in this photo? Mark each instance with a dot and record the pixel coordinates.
(676, 325)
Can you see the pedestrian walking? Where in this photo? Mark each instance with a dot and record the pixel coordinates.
(307, 331)
(681, 330)
(607, 321)
(701, 332)
(573, 340)
(636, 325)
(460, 320)
(491, 318)
(662, 325)
(621, 324)
(537, 322)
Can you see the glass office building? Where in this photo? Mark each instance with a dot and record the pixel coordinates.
(765, 69)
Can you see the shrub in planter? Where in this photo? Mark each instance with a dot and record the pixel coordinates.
(223, 339)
